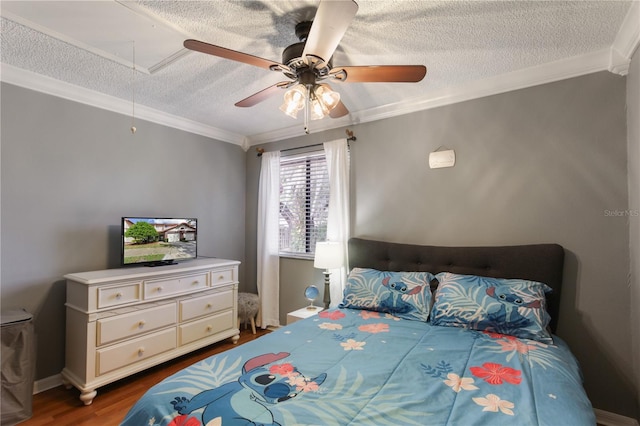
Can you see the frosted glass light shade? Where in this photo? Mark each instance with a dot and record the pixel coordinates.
(317, 111)
(319, 98)
(328, 98)
(294, 100)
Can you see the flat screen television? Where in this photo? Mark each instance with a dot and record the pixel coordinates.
(155, 241)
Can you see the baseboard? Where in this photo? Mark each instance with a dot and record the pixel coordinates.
(47, 383)
(606, 418)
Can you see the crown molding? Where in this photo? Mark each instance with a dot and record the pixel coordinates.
(626, 42)
(612, 59)
(528, 77)
(615, 59)
(315, 126)
(33, 81)
(521, 79)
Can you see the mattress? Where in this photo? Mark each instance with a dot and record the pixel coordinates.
(359, 367)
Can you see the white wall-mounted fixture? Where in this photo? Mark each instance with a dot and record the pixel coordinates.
(439, 159)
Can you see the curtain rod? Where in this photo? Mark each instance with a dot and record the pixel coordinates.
(350, 137)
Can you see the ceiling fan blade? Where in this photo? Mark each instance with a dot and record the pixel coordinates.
(329, 25)
(380, 73)
(338, 111)
(263, 94)
(200, 46)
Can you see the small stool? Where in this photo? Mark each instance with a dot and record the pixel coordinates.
(248, 306)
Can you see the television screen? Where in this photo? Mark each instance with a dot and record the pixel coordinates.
(158, 241)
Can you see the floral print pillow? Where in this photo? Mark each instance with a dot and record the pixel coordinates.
(506, 306)
(402, 294)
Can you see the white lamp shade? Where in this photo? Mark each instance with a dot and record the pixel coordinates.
(329, 255)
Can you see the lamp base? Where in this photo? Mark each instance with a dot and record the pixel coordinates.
(327, 289)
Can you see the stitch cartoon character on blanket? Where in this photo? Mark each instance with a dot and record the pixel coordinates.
(246, 400)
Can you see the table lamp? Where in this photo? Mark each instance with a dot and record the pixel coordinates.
(328, 256)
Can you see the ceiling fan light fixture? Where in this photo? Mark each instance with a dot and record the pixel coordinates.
(328, 98)
(294, 100)
(322, 101)
(317, 109)
(318, 98)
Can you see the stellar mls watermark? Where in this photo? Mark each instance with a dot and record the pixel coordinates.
(622, 213)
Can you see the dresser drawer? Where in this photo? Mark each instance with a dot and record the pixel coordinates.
(205, 305)
(205, 327)
(126, 353)
(133, 323)
(223, 276)
(165, 288)
(119, 295)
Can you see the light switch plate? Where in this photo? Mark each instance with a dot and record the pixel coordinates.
(439, 159)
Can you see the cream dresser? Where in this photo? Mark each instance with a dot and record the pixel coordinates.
(121, 321)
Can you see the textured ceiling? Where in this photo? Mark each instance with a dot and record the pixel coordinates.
(460, 42)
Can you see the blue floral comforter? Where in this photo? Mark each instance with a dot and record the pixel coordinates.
(357, 367)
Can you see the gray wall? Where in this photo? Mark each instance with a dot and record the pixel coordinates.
(633, 130)
(70, 171)
(543, 164)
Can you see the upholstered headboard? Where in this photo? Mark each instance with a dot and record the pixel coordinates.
(537, 262)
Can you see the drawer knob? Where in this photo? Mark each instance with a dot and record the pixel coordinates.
(208, 306)
(196, 282)
(141, 351)
(141, 324)
(221, 277)
(118, 295)
(159, 289)
(209, 328)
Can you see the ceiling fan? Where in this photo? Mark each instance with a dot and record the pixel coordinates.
(308, 65)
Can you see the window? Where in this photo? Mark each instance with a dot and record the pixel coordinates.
(304, 203)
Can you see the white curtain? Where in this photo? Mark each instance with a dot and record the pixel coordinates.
(337, 153)
(268, 265)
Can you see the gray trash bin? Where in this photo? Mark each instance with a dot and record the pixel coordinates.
(18, 366)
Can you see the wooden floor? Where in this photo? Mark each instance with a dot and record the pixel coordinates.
(61, 406)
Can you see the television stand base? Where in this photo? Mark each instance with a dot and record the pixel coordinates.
(161, 263)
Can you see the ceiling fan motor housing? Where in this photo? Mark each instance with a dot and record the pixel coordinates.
(292, 56)
(302, 30)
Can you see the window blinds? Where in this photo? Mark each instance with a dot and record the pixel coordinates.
(304, 203)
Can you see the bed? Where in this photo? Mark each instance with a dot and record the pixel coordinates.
(480, 349)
